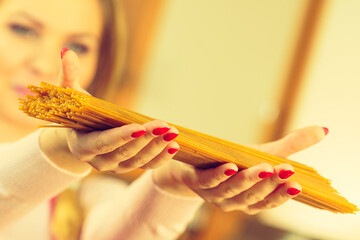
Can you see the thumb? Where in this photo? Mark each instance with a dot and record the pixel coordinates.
(196, 178)
(295, 141)
(69, 70)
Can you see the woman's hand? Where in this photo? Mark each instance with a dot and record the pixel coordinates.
(118, 149)
(125, 148)
(252, 190)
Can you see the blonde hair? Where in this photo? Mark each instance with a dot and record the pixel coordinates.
(68, 215)
(112, 50)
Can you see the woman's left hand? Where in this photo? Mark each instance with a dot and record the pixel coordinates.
(251, 190)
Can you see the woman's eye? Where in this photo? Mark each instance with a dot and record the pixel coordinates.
(78, 48)
(23, 30)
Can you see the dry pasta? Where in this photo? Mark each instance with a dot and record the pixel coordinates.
(76, 110)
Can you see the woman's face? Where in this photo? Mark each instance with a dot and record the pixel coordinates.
(32, 33)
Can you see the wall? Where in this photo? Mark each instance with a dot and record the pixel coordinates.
(217, 66)
(330, 97)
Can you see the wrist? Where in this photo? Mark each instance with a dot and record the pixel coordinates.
(168, 179)
(54, 145)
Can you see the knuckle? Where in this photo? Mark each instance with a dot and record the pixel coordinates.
(251, 177)
(148, 137)
(229, 191)
(269, 204)
(204, 183)
(246, 176)
(124, 153)
(274, 182)
(102, 147)
(252, 197)
(139, 160)
(284, 195)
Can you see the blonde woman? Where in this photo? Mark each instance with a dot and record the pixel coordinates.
(37, 165)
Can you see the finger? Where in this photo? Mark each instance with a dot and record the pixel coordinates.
(239, 183)
(86, 145)
(296, 141)
(166, 155)
(127, 150)
(252, 190)
(69, 71)
(281, 195)
(148, 152)
(209, 178)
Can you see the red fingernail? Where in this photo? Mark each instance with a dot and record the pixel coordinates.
(138, 134)
(63, 51)
(265, 174)
(293, 191)
(170, 136)
(284, 174)
(230, 172)
(326, 130)
(172, 150)
(160, 131)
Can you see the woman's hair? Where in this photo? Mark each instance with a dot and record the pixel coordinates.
(112, 49)
(68, 214)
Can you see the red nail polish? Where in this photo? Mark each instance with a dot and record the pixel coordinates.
(138, 134)
(170, 136)
(284, 174)
(63, 51)
(172, 150)
(293, 191)
(230, 172)
(326, 130)
(160, 131)
(265, 174)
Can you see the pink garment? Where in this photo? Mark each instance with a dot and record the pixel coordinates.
(51, 215)
(28, 180)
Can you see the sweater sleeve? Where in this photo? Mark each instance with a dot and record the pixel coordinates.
(140, 211)
(28, 178)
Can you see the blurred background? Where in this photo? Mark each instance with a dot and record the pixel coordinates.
(250, 72)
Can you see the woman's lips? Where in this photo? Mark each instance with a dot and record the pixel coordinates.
(22, 91)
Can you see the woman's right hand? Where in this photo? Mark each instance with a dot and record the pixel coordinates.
(118, 149)
(125, 148)
(251, 190)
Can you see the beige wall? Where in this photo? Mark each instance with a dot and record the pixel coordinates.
(331, 98)
(217, 66)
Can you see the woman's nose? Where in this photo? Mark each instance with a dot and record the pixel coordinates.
(45, 62)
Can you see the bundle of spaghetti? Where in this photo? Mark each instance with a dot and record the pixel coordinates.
(82, 112)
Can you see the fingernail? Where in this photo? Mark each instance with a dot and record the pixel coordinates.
(160, 131)
(63, 51)
(172, 150)
(265, 174)
(170, 136)
(284, 174)
(326, 130)
(293, 191)
(230, 172)
(138, 134)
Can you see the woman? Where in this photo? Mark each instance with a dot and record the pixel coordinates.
(38, 165)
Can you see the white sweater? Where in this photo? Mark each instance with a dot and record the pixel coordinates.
(138, 211)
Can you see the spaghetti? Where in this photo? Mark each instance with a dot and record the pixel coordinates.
(82, 112)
